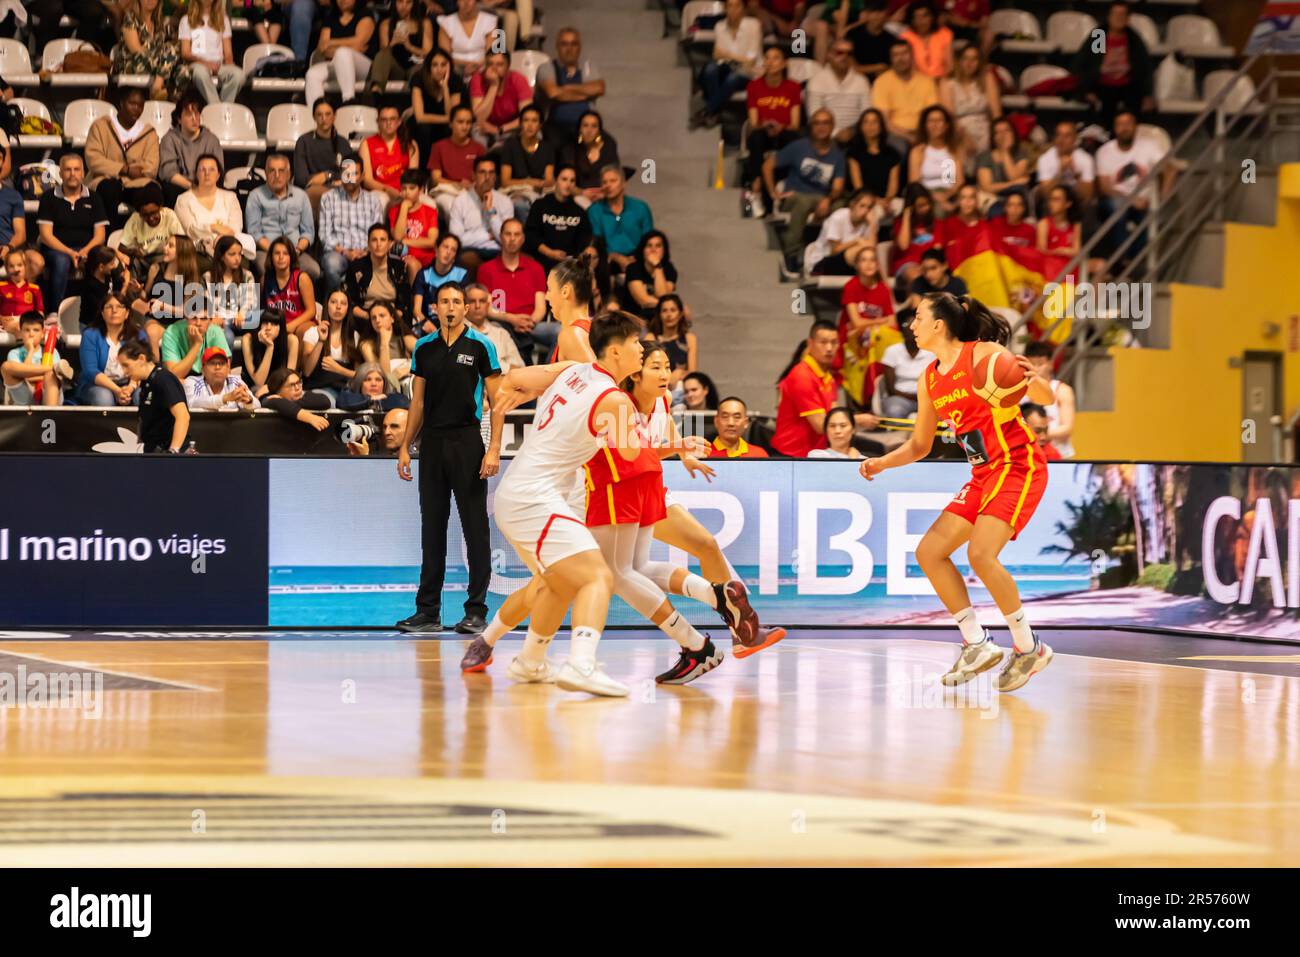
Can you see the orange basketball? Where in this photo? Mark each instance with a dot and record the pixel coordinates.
(1000, 383)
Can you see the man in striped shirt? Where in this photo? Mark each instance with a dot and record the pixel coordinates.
(346, 214)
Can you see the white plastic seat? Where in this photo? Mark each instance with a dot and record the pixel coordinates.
(528, 62)
(70, 321)
(234, 175)
(1196, 36)
(1146, 28)
(30, 107)
(1037, 73)
(1175, 88)
(1242, 97)
(259, 50)
(1156, 134)
(114, 239)
(77, 117)
(1067, 29)
(286, 122)
(52, 60)
(801, 69)
(1010, 23)
(695, 9)
(16, 64)
(158, 114)
(356, 122)
(234, 126)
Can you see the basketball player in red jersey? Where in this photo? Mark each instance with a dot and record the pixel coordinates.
(1008, 477)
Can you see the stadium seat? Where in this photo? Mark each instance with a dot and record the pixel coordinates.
(234, 126)
(1146, 28)
(30, 107)
(70, 321)
(356, 122)
(1196, 36)
(259, 50)
(1036, 74)
(52, 61)
(1175, 88)
(78, 116)
(692, 11)
(1067, 29)
(286, 122)
(159, 115)
(1157, 134)
(878, 394)
(801, 69)
(234, 175)
(1009, 23)
(16, 65)
(114, 239)
(142, 80)
(528, 62)
(1242, 97)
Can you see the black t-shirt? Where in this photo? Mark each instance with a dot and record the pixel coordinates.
(560, 225)
(637, 271)
(453, 377)
(921, 286)
(158, 394)
(341, 31)
(431, 93)
(525, 165)
(875, 167)
(871, 49)
(588, 172)
(74, 223)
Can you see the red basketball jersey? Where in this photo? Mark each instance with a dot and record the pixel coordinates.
(988, 435)
(584, 325)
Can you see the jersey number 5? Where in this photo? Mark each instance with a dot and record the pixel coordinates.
(550, 411)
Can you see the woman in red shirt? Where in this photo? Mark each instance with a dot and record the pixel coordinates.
(387, 155)
(866, 328)
(914, 232)
(773, 101)
(497, 94)
(1010, 229)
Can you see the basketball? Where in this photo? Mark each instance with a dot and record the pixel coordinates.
(1000, 382)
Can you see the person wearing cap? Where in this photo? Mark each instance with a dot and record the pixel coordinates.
(346, 214)
(216, 390)
(147, 230)
(183, 344)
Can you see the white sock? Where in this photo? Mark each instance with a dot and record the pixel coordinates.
(1021, 634)
(582, 647)
(535, 645)
(971, 631)
(679, 630)
(495, 631)
(702, 591)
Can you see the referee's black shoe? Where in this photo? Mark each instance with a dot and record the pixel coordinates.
(471, 625)
(421, 623)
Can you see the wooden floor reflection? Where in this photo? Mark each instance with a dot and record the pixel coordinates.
(1101, 744)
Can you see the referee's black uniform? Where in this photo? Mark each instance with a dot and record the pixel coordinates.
(451, 456)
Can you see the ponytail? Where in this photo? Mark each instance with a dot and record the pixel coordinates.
(968, 319)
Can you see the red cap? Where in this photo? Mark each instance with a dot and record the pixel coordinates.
(212, 352)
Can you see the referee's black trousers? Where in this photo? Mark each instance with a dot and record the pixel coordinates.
(450, 460)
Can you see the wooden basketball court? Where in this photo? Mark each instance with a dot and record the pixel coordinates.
(828, 749)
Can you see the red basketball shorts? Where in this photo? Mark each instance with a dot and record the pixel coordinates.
(636, 501)
(1010, 492)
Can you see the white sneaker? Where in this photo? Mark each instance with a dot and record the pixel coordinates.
(539, 674)
(589, 678)
(973, 660)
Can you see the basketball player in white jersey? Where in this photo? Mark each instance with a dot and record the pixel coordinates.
(581, 408)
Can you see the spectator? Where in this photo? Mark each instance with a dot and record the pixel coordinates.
(72, 222)
(478, 304)
(568, 85)
(147, 230)
(1116, 74)
(1012, 228)
(517, 292)
(463, 35)
(931, 43)
(844, 234)
(436, 90)
(377, 277)
(104, 382)
(866, 328)
(208, 212)
(969, 22)
(266, 18)
(148, 48)
(168, 284)
(813, 183)
(914, 232)
(477, 216)
(164, 416)
(527, 162)
(28, 380)
(278, 208)
(671, 328)
(497, 95)
(558, 227)
(938, 162)
(594, 150)
(206, 49)
(699, 394)
(414, 221)
(18, 296)
(453, 159)
(732, 423)
(424, 294)
(345, 44)
(372, 388)
(839, 436)
(1035, 417)
(516, 19)
(287, 290)
(773, 104)
(959, 231)
(318, 156)
(1121, 164)
(807, 392)
(780, 17)
(13, 227)
(1066, 164)
(284, 394)
(232, 292)
(184, 342)
(1003, 171)
(902, 92)
(216, 390)
(325, 345)
(1060, 414)
(104, 275)
(622, 221)
(904, 363)
(834, 22)
(652, 274)
(737, 51)
(267, 349)
(302, 17)
(387, 155)
(970, 93)
(121, 152)
(839, 88)
(384, 337)
(346, 214)
(871, 41)
(603, 298)
(873, 164)
(934, 277)
(405, 40)
(1059, 232)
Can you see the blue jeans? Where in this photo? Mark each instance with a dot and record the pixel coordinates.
(58, 270)
(333, 266)
(301, 14)
(1128, 223)
(719, 83)
(546, 335)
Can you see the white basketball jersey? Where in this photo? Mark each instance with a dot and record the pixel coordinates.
(659, 422)
(561, 440)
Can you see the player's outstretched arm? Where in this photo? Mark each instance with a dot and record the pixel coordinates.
(918, 444)
(615, 420)
(529, 381)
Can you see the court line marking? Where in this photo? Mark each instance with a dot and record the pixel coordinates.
(90, 667)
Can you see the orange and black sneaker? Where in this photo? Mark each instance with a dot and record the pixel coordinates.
(747, 634)
(477, 656)
(765, 638)
(691, 665)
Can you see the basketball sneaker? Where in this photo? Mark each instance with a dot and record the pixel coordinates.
(765, 638)
(477, 656)
(590, 678)
(1023, 665)
(691, 665)
(542, 673)
(975, 658)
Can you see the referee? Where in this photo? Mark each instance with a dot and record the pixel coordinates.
(453, 366)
